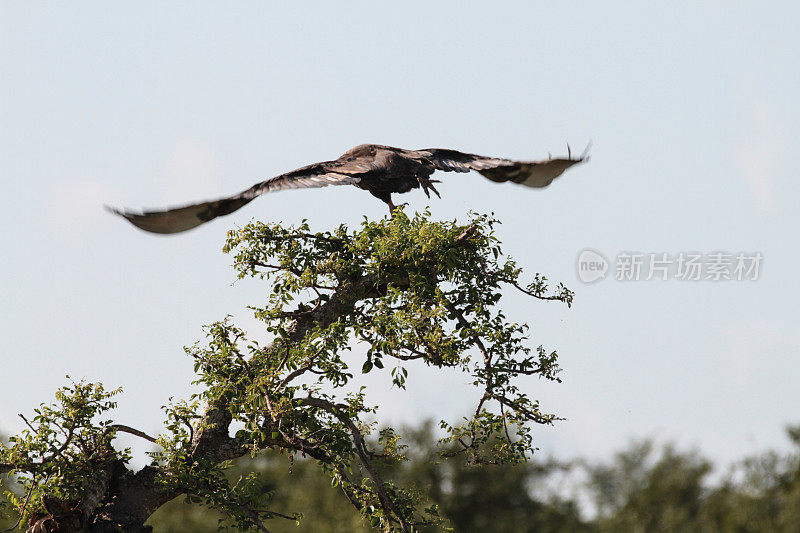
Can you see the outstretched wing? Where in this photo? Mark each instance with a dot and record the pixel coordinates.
(177, 219)
(529, 173)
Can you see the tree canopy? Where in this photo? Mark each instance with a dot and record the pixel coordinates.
(408, 288)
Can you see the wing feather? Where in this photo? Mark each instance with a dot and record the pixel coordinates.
(529, 173)
(182, 218)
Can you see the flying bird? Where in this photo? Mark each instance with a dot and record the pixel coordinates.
(380, 170)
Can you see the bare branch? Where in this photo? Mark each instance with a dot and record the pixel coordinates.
(133, 431)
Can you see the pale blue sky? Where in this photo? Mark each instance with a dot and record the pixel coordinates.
(694, 116)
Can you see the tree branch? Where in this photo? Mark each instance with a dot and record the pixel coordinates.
(361, 449)
(133, 431)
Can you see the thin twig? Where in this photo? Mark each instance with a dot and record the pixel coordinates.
(22, 510)
(531, 293)
(26, 422)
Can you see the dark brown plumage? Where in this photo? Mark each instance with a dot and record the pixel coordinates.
(381, 170)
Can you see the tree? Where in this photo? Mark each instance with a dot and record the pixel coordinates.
(639, 493)
(642, 491)
(761, 493)
(408, 288)
(470, 497)
(643, 488)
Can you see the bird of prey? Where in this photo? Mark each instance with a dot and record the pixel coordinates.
(380, 170)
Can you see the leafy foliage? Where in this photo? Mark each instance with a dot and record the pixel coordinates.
(64, 448)
(468, 497)
(642, 488)
(410, 289)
